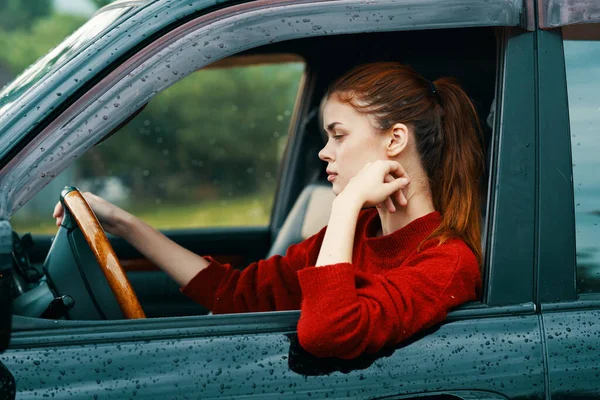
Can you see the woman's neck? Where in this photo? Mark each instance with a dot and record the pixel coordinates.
(419, 204)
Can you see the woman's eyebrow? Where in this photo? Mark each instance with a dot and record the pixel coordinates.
(331, 126)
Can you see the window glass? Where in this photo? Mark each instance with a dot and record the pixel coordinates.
(203, 153)
(582, 57)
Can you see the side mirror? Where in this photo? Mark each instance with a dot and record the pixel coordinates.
(6, 284)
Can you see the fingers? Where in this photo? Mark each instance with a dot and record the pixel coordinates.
(388, 203)
(57, 210)
(395, 187)
(397, 184)
(400, 196)
(58, 213)
(393, 168)
(394, 177)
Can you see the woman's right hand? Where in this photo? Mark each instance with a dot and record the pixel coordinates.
(109, 215)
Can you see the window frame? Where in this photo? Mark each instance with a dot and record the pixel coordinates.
(502, 263)
(511, 197)
(556, 213)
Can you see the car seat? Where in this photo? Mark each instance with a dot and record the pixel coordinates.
(308, 216)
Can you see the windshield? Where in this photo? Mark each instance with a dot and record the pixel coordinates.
(59, 56)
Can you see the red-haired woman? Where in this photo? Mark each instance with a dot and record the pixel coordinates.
(375, 275)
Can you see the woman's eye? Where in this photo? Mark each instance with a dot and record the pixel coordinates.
(337, 137)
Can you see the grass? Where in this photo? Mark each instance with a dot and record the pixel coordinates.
(247, 211)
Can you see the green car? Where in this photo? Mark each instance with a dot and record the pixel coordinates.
(202, 118)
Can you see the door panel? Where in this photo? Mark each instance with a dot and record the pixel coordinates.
(158, 293)
(240, 243)
(573, 350)
(257, 356)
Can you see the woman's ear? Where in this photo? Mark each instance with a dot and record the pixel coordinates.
(397, 140)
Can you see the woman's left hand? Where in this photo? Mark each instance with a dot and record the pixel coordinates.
(377, 184)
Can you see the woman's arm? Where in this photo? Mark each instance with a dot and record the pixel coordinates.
(181, 264)
(178, 262)
(266, 285)
(339, 237)
(347, 312)
(371, 186)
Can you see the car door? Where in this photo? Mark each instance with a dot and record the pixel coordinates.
(489, 349)
(568, 228)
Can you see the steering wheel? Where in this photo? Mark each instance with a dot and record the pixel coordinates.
(76, 208)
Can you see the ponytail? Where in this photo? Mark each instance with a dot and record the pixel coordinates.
(455, 185)
(447, 134)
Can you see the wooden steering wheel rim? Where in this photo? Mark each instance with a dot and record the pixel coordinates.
(109, 263)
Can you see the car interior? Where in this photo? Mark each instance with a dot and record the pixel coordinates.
(305, 198)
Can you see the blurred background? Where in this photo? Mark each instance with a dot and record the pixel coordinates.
(204, 152)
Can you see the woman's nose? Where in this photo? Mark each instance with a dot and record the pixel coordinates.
(324, 154)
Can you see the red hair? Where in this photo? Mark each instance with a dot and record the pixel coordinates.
(447, 133)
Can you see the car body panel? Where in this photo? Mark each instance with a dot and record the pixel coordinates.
(573, 348)
(555, 13)
(255, 358)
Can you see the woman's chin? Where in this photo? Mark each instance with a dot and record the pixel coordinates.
(335, 188)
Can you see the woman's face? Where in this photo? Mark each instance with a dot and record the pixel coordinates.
(352, 142)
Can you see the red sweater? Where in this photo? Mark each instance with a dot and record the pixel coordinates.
(388, 292)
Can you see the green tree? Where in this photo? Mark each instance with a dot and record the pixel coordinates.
(22, 47)
(20, 15)
(218, 129)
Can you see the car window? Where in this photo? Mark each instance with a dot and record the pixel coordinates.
(203, 153)
(582, 59)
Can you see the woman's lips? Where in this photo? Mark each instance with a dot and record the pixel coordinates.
(331, 177)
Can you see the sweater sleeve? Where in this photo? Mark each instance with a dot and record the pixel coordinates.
(266, 285)
(346, 312)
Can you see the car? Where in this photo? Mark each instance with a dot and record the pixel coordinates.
(531, 68)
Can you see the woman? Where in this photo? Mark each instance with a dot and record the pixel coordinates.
(375, 276)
